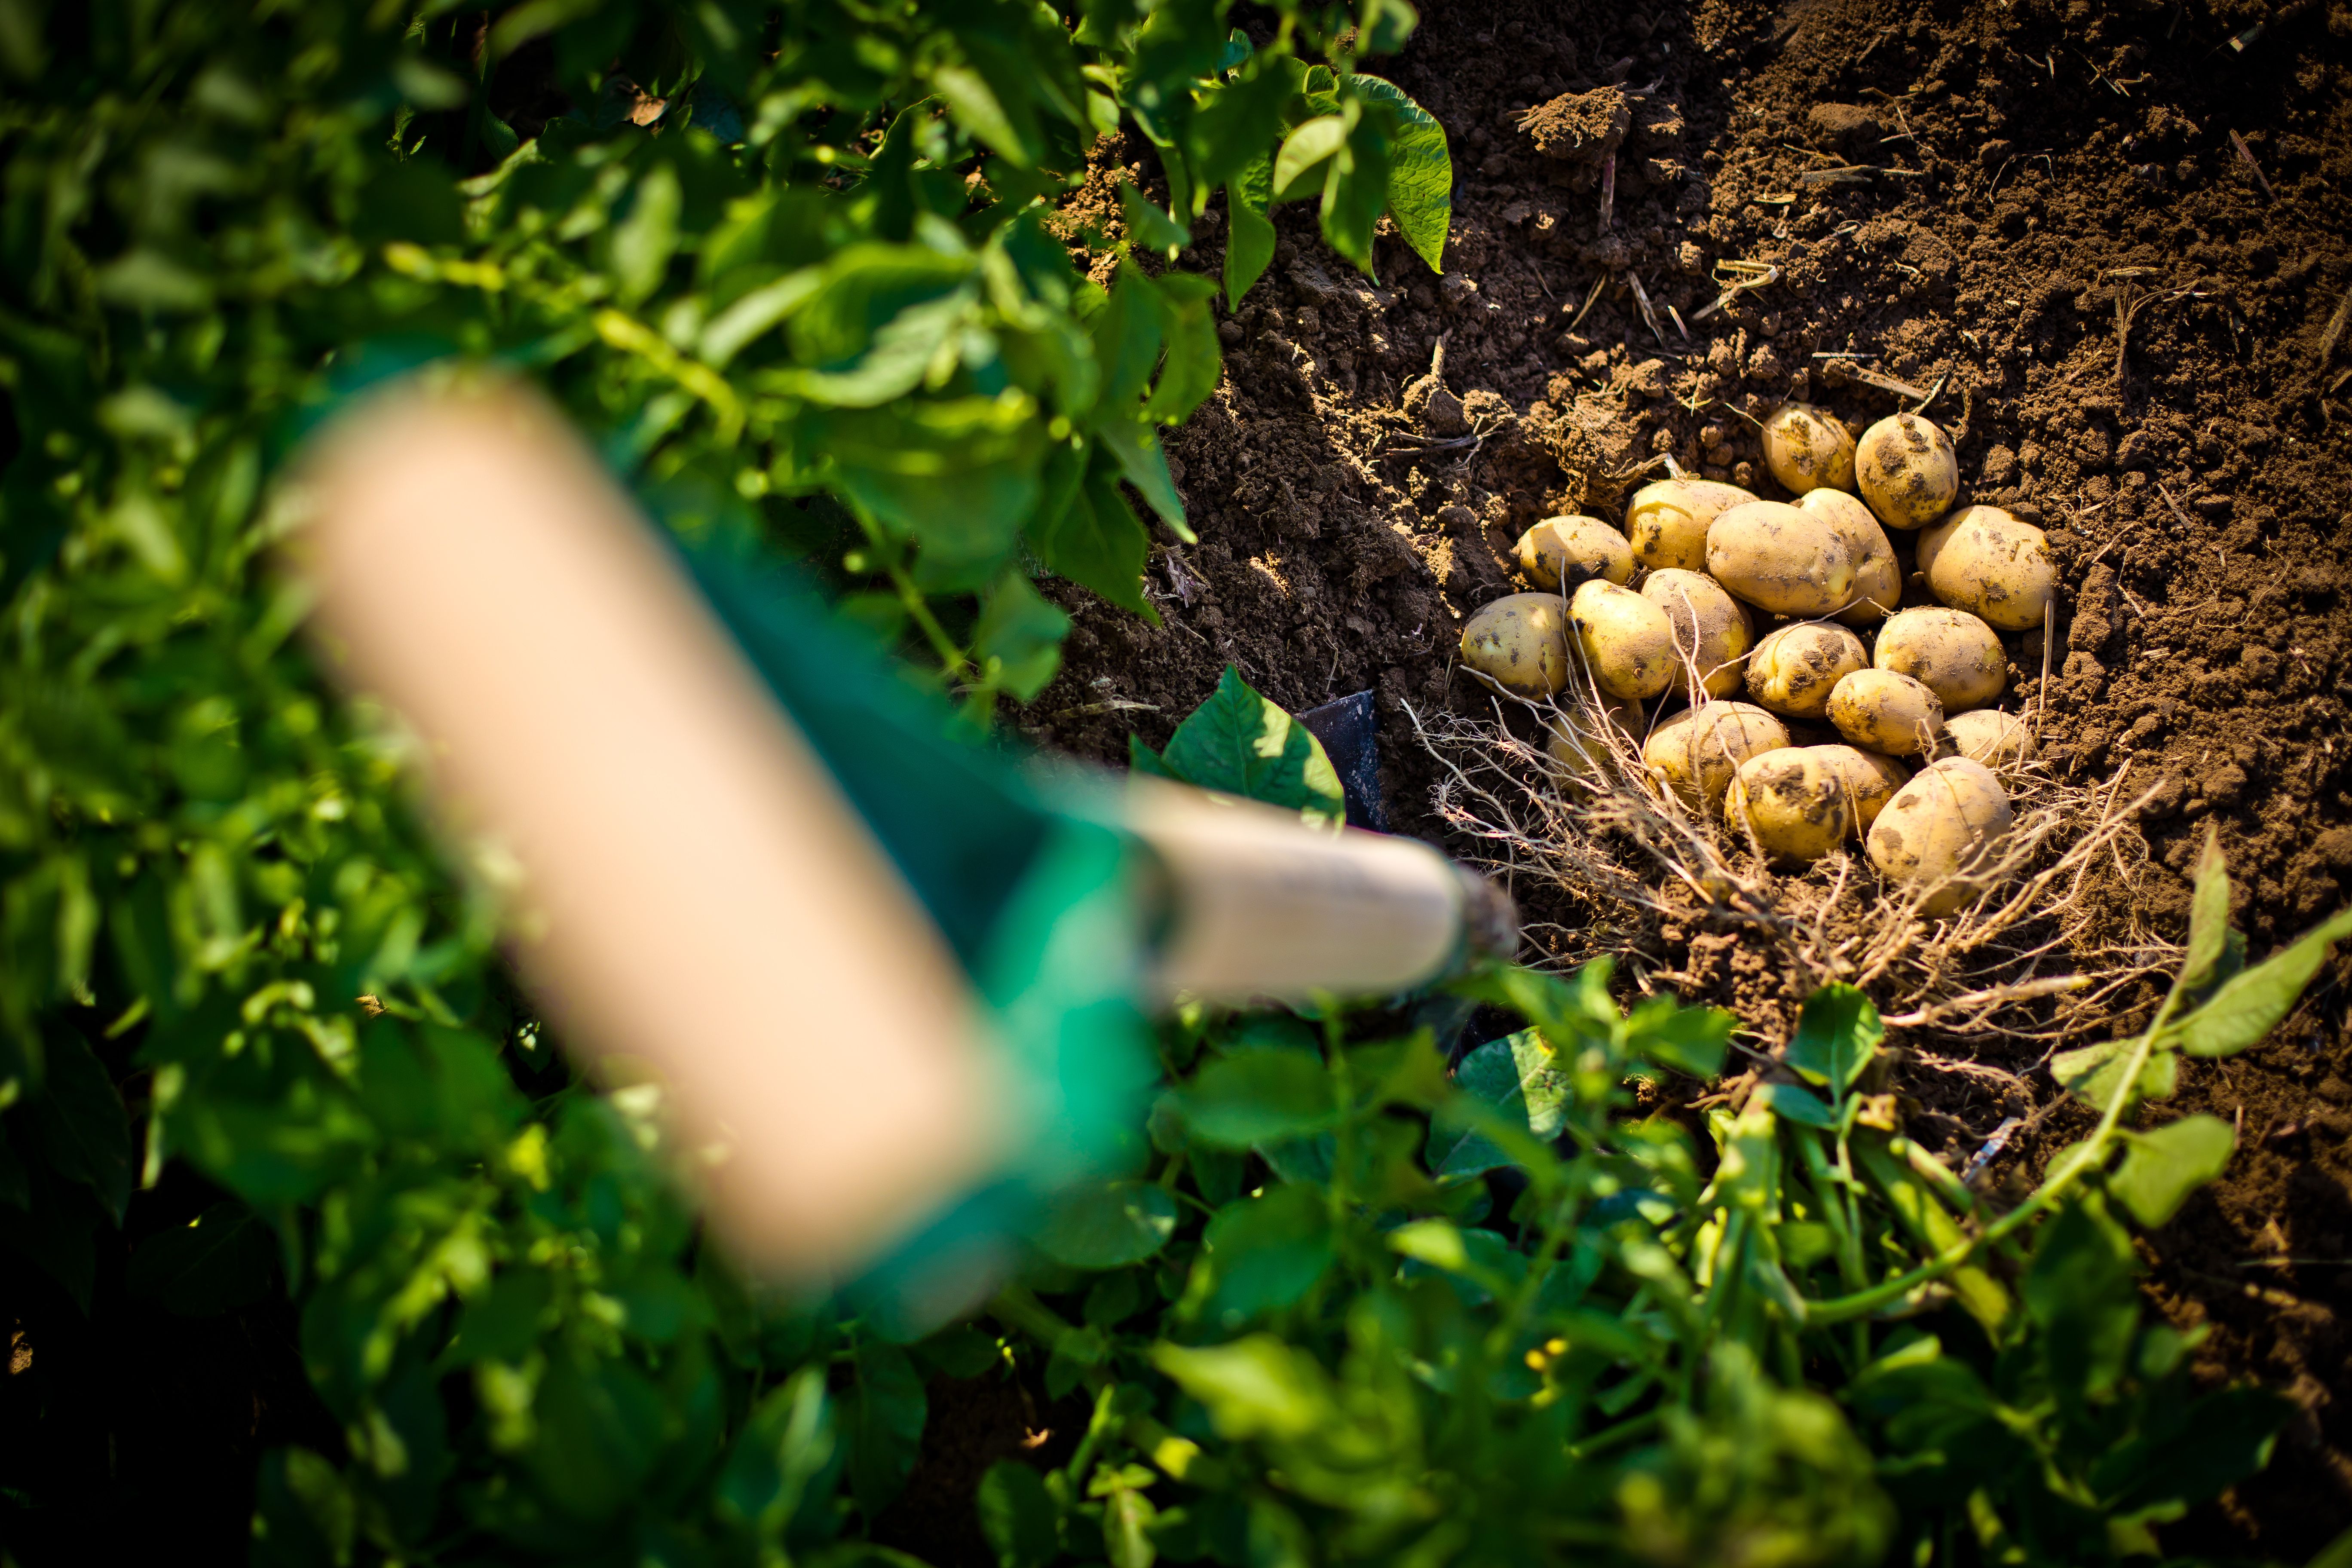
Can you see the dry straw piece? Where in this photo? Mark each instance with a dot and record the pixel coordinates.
(2022, 964)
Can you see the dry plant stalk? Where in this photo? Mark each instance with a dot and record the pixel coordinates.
(2021, 964)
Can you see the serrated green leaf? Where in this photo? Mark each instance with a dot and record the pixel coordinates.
(2162, 1167)
(1419, 194)
(2249, 1005)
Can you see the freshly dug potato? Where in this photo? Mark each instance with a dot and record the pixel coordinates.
(1792, 670)
(1806, 447)
(1983, 561)
(1626, 641)
(1562, 551)
(1781, 559)
(1988, 735)
(1792, 801)
(1573, 737)
(1712, 631)
(1666, 522)
(1943, 827)
(1868, 779)
(1908, 470)
(1880, 711)
(1520, 643)
(1696, 753)
(1951, 652)
(1878, 577)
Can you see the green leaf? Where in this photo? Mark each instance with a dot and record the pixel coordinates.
(1259, 1097)
(2249, 1005)
(1148, 227)
(2162, 1167)
(1125, 335)
(2209, 917)
(1838, 1034)
(1254, 1387)
(1020, 636)
(1143, 465)
(1018, 1515)
(883, 1417)
(647, 237)
(1519, 1077)
(1107, 1225)
(1194, 359)
(1236, 122)
(2079, 1288)
(1306, 145)
(1419, 191)
(1094, 539)
(77, 1122)
(2094, 1073)
(1692, 1040)
(1792, 1103)
(974, 103)
(1267, 1252)
(1241, 744)
(1249, 232)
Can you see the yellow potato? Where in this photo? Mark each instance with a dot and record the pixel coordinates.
(1908, 470)
(1792, 801)
(1941, 832)
(1983, 561)
(1520, 643)
(1792, 670)
(1868, 779)
(1696, 753)
(1877, 577)
(1781, 559)
(1806, 447)
(1562, 551)
(1988, 735)
(1951, 652)
(1579, 741)
(1711, 632)
(1627, 642)
(1880, 711)
(1666, 521)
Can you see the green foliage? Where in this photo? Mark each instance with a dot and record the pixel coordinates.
(1240, 743)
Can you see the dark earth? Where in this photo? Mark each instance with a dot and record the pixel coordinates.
(2115, 235)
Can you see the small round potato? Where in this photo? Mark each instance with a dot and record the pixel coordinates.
(1941, 832)
(1712, 631)
(1983, 561)
(1562, 551)
(1574, 738)
(1792, 801)
(1806, 447)
(1666, 521)
(1951, 652)
(1868, 779)
(1792, 670)
(1627, 642)
(1878, 577)
(1781, 559)
(1696, 753)
(1520, 643)
(1908, 470)
(1987, 735)
(1880, 711)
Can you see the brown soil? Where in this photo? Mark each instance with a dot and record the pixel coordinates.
(2042, 204)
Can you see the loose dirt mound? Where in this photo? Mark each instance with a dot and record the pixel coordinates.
(2114, 238)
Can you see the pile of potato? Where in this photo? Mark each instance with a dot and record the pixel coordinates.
(1670, 609)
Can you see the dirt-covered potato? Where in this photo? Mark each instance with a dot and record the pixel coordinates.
(1806, 447)
(1574, 739)
(1712, 631)
(1880, 711)
(1562, 551)
(1666, 522)
(1793, 670)
(1627, 642)
(1983, 561)
(1520, 643)
(1792, 801)
(1943, 827)
(1868, 779)
(1696, 753)
(1988, 735)
(1908, 470)
(1951, 652)
(1780, 558)
(1878, 577)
